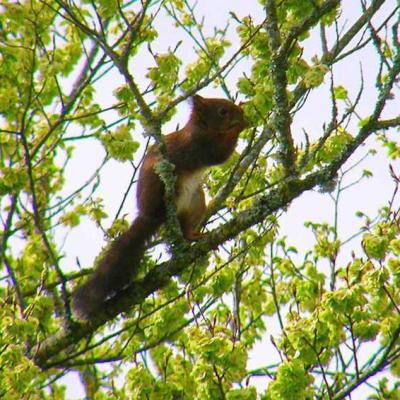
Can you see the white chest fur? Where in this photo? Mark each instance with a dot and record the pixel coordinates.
(187, 186)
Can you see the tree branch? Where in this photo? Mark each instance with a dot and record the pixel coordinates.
(330, 58)
(281, 119)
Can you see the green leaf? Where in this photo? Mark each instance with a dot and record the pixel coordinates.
(340, 92)
(374, 246)
(292, 382)
(249, 393)
(368, 174)
(119, 144)
(315, 75)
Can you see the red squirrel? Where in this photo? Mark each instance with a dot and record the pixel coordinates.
(208, 139)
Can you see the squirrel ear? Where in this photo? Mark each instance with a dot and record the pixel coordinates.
(199, 109)
(197, 101)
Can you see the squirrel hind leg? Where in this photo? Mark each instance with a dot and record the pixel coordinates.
(192, 218)
(193, 235)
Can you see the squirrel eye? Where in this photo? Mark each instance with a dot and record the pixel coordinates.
(222, 111)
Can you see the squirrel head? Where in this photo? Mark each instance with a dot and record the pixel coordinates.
(217, 115)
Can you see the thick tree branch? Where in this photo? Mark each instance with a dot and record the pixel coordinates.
(281, 119)
(388, 123)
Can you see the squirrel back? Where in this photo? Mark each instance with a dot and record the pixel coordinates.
(208, 139)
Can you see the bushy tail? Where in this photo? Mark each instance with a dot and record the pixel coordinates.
(115, 270)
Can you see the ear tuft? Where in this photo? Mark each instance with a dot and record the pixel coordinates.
(197, 101)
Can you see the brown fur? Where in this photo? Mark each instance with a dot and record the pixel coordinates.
(208, 139)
